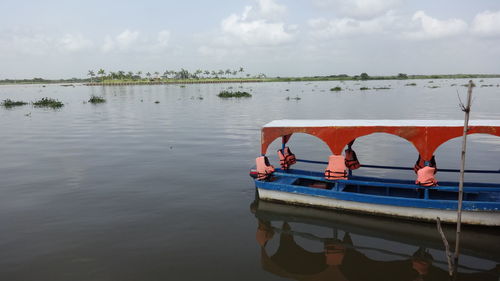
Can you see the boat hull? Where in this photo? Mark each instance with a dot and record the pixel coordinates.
(487, 218)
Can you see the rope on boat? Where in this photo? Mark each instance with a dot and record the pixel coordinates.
(406, 168)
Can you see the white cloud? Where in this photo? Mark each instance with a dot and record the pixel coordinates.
(256, 32)
(323, 28)
(431, 28)
(486, 24)
(256, 26)
(270, 10)
(74, 42)
(127, 38)
(36, 42)
(163, 38)
(122, 41)
(134, 41)
(358, 9)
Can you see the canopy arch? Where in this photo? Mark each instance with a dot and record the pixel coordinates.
(425, 135)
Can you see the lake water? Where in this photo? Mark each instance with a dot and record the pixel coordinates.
(137, 190)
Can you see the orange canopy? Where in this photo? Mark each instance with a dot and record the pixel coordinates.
(425, 135)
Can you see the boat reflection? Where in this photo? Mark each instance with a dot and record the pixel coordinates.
(363, 248)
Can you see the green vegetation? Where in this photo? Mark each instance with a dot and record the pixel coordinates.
(364, 88)
(336, 89)
(411, 84)
(10, 103)
(297, 98)
(238, 94)
(382, 88)
(433, 87)
(218, 76)
(47, 102)
(96, 99)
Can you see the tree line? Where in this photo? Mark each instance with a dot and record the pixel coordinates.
(102, 75)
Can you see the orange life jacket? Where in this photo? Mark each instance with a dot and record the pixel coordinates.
(336, 169)
(351, 160)
(264, 168)
(287, 158)
(421, 163)
(425, 176)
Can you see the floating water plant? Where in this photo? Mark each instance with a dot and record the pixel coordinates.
(96, 99)
(411, 84)
(336, 89)
(381, 88)
(433, 87)
(48, 102)
(238, 94)
(295, 98)
(364, 88)
(10, 103)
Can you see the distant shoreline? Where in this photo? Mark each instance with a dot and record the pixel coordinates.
(118, 82)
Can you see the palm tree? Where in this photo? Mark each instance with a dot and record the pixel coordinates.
(165, 74)
(121, 74)
(148, 75)
(91, 74)
(130, 75)
(228, 72)
(139, 73)
(101, 73)
(157, 74)
(241, 70)
(197, 73)
(207, 73)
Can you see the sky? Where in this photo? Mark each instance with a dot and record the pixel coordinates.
(63, 39)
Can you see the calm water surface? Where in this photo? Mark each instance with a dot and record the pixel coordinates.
(137, 190)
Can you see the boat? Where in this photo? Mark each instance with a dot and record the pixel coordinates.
(365, 247)
(384, 196)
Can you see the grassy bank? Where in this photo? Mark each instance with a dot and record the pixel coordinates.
(144, 81)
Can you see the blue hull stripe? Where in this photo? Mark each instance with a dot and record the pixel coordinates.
(285, 180)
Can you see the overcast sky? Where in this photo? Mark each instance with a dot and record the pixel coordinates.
(63, 39)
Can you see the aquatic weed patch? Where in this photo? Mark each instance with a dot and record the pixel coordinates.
(48, 102)
(237, 94)
(364, 88)
(336, 89)
(8, 103)
(96, 99)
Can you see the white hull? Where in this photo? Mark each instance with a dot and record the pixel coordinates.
(449, 216)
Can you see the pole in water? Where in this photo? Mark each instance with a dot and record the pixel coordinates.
(466, 109)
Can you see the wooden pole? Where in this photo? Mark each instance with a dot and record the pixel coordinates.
(466, 109)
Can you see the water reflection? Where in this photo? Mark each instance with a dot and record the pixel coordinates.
(354, 250)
